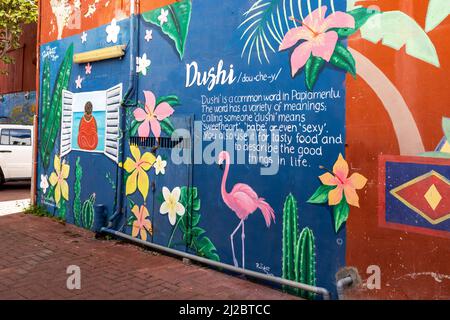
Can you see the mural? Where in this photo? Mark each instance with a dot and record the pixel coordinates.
(280, 95)
(18, 108)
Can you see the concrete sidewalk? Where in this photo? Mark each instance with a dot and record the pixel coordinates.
(35, 253)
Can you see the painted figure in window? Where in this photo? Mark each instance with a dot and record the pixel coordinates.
(87, 133)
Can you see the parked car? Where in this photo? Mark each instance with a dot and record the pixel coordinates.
(16, 152)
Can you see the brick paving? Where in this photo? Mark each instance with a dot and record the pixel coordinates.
(35, 252)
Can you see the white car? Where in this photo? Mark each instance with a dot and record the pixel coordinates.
(16, 152)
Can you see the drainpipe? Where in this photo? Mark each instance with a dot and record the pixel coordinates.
(317, 290)
(34, 178)
(132, 87)
(341, 285)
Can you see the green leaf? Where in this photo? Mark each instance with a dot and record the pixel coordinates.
(52, 120)
(134, 128)
(446, 128)
(343, 59)
(196, 205)
(197, 232)
(131, 219)
(340, 212)
(361, 16)
(195, 218)
(177, 26)
(172, 100)
(167, 126)
(321, 194)
(312, 70)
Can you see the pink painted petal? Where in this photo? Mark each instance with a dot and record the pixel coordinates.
(139, 114)
(156, 127)
(338, 20)
(144, 129)
(299, 57)
(150, 101)
(163, 110)
(316, 19)
(293, 36)
(324, 45)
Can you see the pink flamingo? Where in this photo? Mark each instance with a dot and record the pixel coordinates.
(243, 200)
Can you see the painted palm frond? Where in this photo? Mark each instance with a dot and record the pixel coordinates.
(267, 21)
(396, 30)
(438, 10)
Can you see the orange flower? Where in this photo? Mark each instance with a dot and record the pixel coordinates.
(343, 184)
(141, 225)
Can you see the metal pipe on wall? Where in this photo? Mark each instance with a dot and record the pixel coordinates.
(318, 290)
(132, 87)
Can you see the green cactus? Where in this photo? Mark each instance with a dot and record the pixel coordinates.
(77, 189)
(87, 212)
(299, 257)
(290, 232)
(51, 116)
(305, 261)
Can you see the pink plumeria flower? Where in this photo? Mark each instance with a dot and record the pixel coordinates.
(318, 40)
(152, 115)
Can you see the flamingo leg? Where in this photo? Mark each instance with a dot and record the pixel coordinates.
(232, 244)
(243, 245)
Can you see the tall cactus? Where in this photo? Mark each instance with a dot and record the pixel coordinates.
(290, 232)
(87, 212)
(77, 189)
(299, 257)
(305, 261)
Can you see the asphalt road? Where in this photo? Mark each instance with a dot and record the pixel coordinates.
(15, 191)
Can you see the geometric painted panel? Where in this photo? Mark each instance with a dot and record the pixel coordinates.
(414, 194)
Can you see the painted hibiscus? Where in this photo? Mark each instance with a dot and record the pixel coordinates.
(58, 179)
(137, 168)
(344, 184)
(141, 225)
(318, 38)
(152, 115)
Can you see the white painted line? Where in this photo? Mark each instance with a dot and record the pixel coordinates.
(15, 206)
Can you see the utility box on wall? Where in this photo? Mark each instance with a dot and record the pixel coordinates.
(246, 132)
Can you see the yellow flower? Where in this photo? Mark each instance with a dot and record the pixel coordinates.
(58, 179)
(344, 185)
(137, 168)
(171, 204)
(141, 225)
(160, 166)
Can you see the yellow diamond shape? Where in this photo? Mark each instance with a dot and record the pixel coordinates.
(433, 197)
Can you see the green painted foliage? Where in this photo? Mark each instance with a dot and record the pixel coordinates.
(340, 213)
(77, 190)
(361, 16)
(299, 257)
(177, 25)
(51, 120)
(305, 261)
(290, 231)
(87, 212)
(343, 59)
(193, 235)
(313, 67)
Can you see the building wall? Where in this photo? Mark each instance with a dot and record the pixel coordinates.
(18, 108)
(21, 75)
(350, 185)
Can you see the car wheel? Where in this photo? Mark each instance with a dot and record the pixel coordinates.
(2, 177)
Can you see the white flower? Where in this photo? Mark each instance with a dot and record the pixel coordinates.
(160, 166)
(113, 31)
(163, 16)
(171, 204)
(142, 64)
(78, 82)
(148, 35)
(44, 183)
(84, 37)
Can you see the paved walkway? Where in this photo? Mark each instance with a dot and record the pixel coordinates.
(15, 191)
(35, 253)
